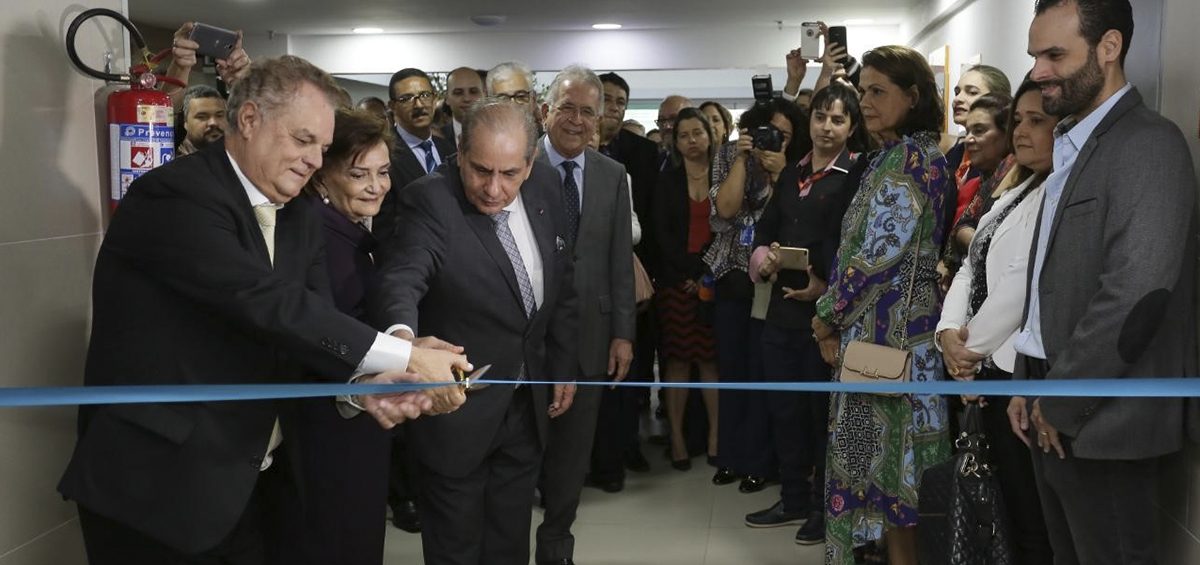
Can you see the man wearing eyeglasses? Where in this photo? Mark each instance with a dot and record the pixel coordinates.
(667, 111)
(513, 81)
(417, 151)
(596, 192)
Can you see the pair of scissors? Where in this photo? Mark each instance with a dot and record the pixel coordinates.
(467, 382)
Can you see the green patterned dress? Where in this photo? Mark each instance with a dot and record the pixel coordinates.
(879, 445)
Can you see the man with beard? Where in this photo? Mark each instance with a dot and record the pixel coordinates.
(1111, 290)
(203, 118)
(463, 87)
(418, 152)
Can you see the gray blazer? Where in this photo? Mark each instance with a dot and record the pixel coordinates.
(1118, 287)
(603, 261)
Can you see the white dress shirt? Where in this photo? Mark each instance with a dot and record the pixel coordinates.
(994, 327)
(522, 230)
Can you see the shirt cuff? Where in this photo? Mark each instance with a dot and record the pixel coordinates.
(397, 327)
(789, 96)
(386, 354)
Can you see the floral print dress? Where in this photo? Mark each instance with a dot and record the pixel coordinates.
(880, 445)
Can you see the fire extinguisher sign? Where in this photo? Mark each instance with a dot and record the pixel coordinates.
(137, 148)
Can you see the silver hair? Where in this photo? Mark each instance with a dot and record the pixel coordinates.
(504, 71)
(273, 83)
(577, 74)
(196, 92)
(498, 115)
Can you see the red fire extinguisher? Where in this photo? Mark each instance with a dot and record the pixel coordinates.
(140, 118)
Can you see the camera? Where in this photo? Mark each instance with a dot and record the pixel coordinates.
(767, 138)
(763, 89)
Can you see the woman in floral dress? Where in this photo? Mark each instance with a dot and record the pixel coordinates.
(892, 232)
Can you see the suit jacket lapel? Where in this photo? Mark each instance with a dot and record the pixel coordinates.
(407, 161)
(485, 230)
(219, 161)
(1127, 103)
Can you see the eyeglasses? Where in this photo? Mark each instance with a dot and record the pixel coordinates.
(520, 96)
(580, 112)
(667, 123)
(408, 98)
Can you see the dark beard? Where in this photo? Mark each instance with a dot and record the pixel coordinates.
(1078, 91)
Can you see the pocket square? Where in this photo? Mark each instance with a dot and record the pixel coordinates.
(559, 244)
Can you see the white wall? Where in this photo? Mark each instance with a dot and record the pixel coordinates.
(50, 222)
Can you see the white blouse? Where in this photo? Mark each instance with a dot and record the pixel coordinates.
(994, 327)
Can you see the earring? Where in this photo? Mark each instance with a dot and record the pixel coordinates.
(325, 199)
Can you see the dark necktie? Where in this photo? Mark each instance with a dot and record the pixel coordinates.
(509, 243)
(427, 147)
(571, 196)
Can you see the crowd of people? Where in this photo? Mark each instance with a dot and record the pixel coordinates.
(489, 231)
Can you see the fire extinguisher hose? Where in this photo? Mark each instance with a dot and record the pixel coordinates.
(138, 40)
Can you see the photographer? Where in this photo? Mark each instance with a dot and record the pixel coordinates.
(743, 175)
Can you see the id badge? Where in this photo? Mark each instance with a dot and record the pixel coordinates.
(747, 237)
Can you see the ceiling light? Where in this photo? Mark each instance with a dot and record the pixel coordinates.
(859, 22)
(606, 26)
(367, 30)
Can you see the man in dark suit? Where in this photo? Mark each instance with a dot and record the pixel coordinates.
(464, 86)
(1112, 289)
(211, 274)
(481, 258)
(417, 152)
(616, 444)
(596, 194)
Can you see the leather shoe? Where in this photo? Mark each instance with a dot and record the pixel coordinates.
(405, 516)
(636, 462)
(565, 561)
(752, 484)
(724, 476)
(776, 516)
(609, 486)
(813, 531)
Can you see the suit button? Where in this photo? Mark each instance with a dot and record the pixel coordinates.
(344, 350)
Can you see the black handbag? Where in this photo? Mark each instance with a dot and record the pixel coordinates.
(961, 515)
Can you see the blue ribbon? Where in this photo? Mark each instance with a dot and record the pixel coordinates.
(1101, 388)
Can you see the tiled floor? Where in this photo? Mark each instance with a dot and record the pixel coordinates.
(664, 517)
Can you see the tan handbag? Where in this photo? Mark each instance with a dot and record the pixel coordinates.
(873, 363)
(643, 288)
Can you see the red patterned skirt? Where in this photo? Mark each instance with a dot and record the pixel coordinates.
(685, 336)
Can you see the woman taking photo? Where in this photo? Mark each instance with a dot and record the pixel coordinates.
(805, 212)
(683, 233)
(982, 314)
(883, 290)
(774, 136)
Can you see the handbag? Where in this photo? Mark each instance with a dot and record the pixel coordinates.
(864, 362)
(643, 288)
(961, 513)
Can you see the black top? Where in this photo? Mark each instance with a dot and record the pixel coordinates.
(348, 248)
(672, 212)
(813, 222)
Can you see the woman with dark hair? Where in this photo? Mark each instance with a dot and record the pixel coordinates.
(883, 290)
(721, 120)
(982, 314)
(805, 212)
(682, 232)
(774, 136)
(344, 462)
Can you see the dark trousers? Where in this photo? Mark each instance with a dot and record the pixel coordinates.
(255, 539)
(563, 468)
(742, 442)
(402, 470)
(799, 421)
(483, 518)
(1098, 512)
(617, 423)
